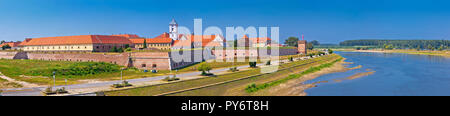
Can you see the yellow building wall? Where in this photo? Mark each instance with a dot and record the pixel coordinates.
(162, 46)
(86, 47)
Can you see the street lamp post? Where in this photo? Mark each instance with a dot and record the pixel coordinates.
(54, 79)
(121, 74)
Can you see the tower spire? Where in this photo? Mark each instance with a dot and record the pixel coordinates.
(173, 29)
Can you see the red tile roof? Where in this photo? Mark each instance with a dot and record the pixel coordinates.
(180, 43)
(80, 39)
(130, 36)
(257, 40)
(163, 38)
(207, 40)
(137, 40)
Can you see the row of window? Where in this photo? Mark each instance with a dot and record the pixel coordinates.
(179, 64)
(108, 47)
(145, 65)
(235, 54)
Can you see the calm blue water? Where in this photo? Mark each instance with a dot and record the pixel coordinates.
(396, 75)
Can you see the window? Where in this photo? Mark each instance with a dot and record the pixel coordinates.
(154, 66)
(143, 65)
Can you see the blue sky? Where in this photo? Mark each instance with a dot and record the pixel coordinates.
(329, 21)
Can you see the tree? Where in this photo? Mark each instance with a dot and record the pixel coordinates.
(388, 46)
(114, 49)
(418, 48)
(127, 45)
(6, 47)
(120, 50)
(291, 41)
(145, 43)
(309, 46)
(204, 67)
(441, 48)
(330, 51)
(315, 42)
(268, 63)
(3, 41)
(430, 47)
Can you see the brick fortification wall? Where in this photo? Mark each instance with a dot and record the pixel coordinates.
(151, 60)
(140, 60)
(180, 59)
(120, 59)
(169, 60)
(227, 54)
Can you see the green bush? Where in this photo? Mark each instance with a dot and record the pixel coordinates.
(254, 87)
(234, 69)
(204, 67)
(251, 88)
(252, 64)
(80, 69)
(120, 85)
(168, 79)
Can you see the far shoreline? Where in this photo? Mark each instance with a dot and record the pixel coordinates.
(444, 53)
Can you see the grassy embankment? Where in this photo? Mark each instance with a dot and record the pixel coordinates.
(40, 72)
(252, 74)
(237, 88)
(254, 87)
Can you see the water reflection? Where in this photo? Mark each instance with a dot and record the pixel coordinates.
(396, 74)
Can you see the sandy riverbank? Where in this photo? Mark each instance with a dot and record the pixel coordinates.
(296, 88)
(444, 53)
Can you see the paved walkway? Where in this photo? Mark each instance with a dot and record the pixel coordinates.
(102, 86)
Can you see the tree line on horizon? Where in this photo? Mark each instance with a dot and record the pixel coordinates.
(293, 42)
(400, 44)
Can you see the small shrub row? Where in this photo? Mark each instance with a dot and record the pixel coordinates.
(120, 85)
(49, 91)
(168, 79)
(234, 69)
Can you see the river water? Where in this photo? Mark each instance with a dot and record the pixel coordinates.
(396, 74)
